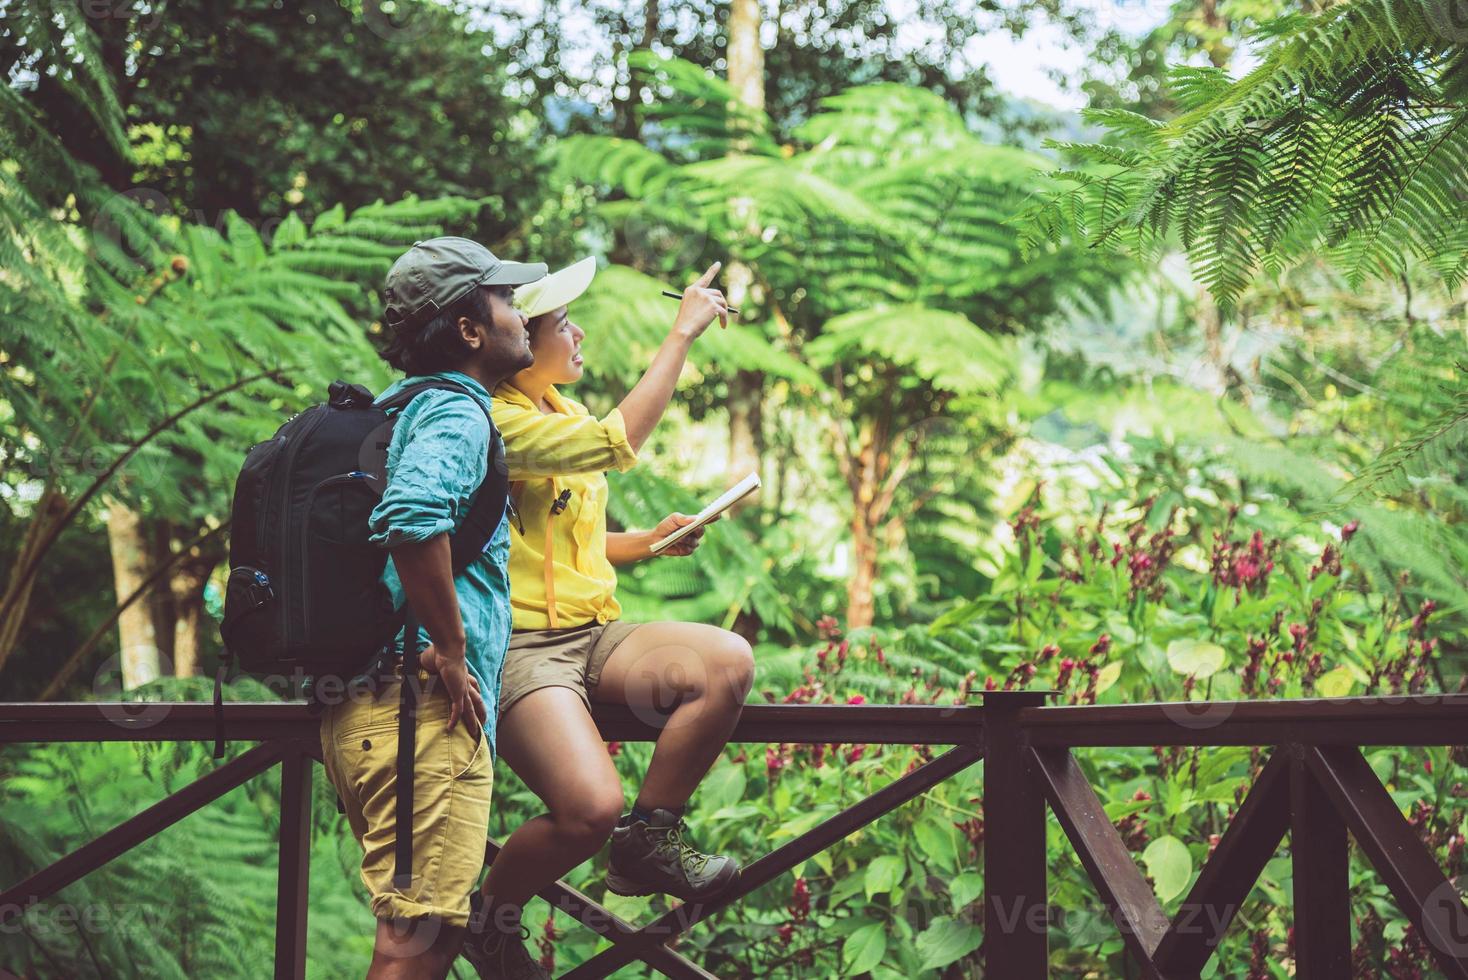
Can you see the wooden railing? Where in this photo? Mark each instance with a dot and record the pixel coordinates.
(1315, 786)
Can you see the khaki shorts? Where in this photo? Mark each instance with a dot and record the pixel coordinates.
(451, 792)
(559, 658)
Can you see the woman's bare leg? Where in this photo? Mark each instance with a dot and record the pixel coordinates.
(550, 741)
(690, 680)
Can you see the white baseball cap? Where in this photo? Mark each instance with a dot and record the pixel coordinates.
(557, 289)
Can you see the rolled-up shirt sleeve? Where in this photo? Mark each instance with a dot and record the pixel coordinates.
(539, 445)
(443, 458)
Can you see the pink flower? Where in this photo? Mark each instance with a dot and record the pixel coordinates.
(1330, 563)
(1419, 622)
(856, 699)
(1027, 520)
(1067, 667)
(800, 900)
(1349, 531)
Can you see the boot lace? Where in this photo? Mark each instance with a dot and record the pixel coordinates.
(511, 955)
(689, 858)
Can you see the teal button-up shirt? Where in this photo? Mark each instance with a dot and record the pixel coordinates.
(436, 460)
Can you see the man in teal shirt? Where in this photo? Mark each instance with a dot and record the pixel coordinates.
(449, 318)
(438, 455)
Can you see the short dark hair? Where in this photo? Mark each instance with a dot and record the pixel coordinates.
(436, 345)
(536, 322)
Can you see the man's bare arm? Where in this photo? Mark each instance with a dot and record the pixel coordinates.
(427, 574)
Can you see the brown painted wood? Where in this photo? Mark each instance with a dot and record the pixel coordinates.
(764, 870)
(1322, 889)
(113, 721)
(603, 922)
(1016, 907)
(132, 832)
(293, 882)
(1021, 779)
(1123, 889)
(1426, 897)
(1226, 879)
(1408, 720)
(92, 721)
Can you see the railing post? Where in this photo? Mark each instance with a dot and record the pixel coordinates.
(1317, 842)
(1016, 910)
(294, 876)
(1322, 890)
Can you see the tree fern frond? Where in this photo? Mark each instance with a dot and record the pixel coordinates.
(1435, 445)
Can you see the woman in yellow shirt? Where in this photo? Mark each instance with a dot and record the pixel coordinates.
(570, 646)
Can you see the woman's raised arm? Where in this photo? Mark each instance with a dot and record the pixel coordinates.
(648, 399)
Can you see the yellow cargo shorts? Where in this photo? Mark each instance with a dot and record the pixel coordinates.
(453, 777)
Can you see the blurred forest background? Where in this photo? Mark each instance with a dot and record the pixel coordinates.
(1158, 400)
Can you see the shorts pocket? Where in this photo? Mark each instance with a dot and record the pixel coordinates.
(373, 722)
(366, 757)
(464, 755)
(361, 712)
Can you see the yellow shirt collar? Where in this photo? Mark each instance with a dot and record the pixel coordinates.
(510, 393)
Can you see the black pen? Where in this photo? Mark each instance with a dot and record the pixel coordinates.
(672, 295)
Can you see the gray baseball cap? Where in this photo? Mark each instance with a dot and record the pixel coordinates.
(435, 274)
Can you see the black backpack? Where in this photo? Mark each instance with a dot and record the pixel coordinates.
(305, 598)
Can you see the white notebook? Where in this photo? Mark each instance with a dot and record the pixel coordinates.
(732, 496)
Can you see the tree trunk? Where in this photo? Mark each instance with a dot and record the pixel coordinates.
(189, 580)
(160, 601)
(746, 428)
(860, 465)
(874, 467)
(860, 598)
(744, 55)
(1218, 51)
(130, 552)
(17, 597)
(746, 60)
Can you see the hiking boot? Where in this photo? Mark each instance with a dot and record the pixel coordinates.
(653, 856)
(497, 955)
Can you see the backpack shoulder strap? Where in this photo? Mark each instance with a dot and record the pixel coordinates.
(409, 392)
(488, 508)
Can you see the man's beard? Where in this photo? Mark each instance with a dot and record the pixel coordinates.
(509, 360)
(525, 359)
